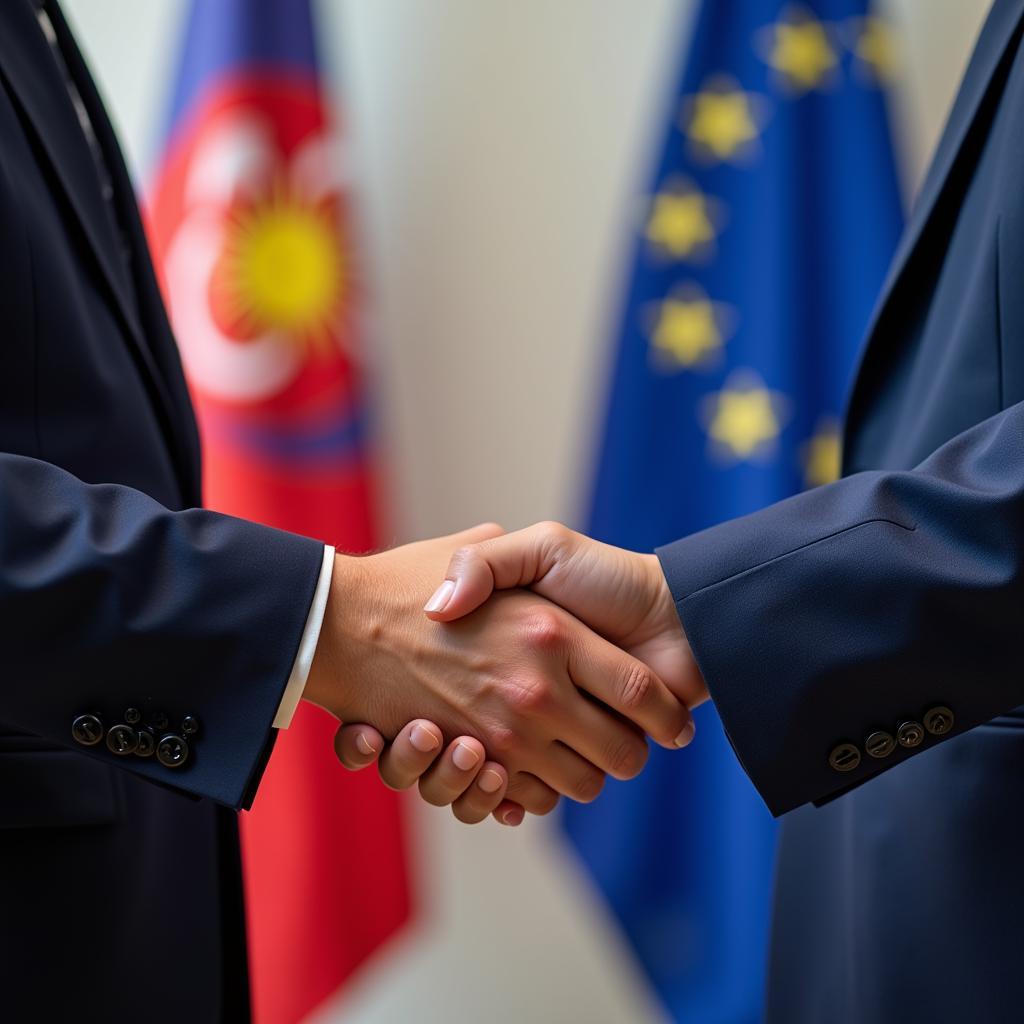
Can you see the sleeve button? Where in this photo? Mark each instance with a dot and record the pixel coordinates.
(172, 751)
(122, 739)
(939, 720)
(147, 743)
(880, 744)
(190, 725)
(133, 716)
(910, 734)
(844, 758)
(87, 730)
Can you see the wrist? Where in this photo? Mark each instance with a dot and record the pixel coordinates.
(334, 673)
(661, 618)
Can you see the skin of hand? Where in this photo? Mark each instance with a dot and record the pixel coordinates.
(622, 595)
(462, 778)
(508, 675)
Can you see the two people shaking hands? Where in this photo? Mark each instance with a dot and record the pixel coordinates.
(507, 670)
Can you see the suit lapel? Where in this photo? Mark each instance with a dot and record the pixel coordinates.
(37, 84)
(156, 337)
(992, 49)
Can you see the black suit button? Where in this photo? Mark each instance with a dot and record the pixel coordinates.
(147, 743)
(122, 739)
(190, 725)
(910, 734)
(844, 758)
(938, 721)
(172, 751)
(880, 744)
(87, 730)
(133, 716)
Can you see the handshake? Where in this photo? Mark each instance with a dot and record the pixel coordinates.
(543, 659)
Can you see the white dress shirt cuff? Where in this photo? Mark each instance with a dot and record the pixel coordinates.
(307, 645)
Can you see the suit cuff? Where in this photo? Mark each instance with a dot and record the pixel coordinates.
(296, 684)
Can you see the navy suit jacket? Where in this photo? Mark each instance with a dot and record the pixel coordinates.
(854, 610)
(119, 877)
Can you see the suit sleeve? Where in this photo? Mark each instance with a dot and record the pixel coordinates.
(854, 608)
(109, 601)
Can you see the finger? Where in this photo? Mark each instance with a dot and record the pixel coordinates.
(413, 751)
(568, 773)
(528, 792)
(479, 534)
(357, 745)
(484, 796)
(512, 560)
(601, 738)
(453, 772)
(631, 688)
(509, 813)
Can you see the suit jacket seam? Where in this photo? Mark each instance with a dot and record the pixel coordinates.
(739, 574)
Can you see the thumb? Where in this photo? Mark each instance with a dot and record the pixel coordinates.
(514, 560)
(474, 535)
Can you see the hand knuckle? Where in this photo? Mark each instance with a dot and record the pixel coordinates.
(544, 629)
(636, 687)
(502, 741)
(530, 697)
(467, 815)
(433, 796)
(463, 554)
(543, 803)
(588, 786)
(626, 758)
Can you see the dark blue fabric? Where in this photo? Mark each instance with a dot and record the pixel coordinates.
(229, 38)
(806, 221)
(862, 604)
(117, 890)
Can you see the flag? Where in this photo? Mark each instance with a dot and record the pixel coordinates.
(250, 221)
(759, 249)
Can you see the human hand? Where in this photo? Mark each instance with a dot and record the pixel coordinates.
(622, 595)
(460, 776)
(509, 675)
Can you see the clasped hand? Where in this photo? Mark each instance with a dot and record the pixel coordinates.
(543, 659)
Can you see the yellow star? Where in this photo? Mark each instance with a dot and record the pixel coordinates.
(823, 455)
(876, 47)
(720, 120)
(687, 332)
(680, 223)
(800, 51)
(744, 418)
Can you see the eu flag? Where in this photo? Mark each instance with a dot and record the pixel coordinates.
(760, 248)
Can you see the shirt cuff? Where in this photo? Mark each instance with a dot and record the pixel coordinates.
(307, 645)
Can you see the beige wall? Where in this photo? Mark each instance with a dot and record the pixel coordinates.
(495, 146)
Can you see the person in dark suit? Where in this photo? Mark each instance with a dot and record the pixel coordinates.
(151, 649)
(862, 641)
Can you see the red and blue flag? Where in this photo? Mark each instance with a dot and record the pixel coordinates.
(251, 224)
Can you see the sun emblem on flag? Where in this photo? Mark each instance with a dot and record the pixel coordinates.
(281, 269)
(259, 278)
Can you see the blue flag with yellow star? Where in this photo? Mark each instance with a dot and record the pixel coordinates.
(760, 249)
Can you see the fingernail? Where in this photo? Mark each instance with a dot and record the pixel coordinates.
(365, 746)
(465, 757)
(423, 739)
(687, 734)
(512, 818)
(440, 598)
(490, 781)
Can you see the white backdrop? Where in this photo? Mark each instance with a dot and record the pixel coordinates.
(494, 150)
